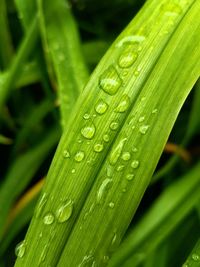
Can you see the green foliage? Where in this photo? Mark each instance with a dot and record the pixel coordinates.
(112, 195)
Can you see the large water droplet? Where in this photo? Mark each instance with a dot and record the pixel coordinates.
(66, 154)
(143, 129)
(79, 156)
(101, 107)
(88, 131)
(127, 59)
(135, 164)
(41, 205)
(110, 81)
(64, 212)
(126, 156)
(48, 218)
(116, 152)
(114, 125)
(103, 189)
(98, 147)
(20, 249)
(124, 104)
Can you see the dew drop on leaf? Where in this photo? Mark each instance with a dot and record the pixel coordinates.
(114, 125)
(66, 154)
(130, 176)
(79, 156)
(64, 212)
(126, 156)
(98, 147)
(88, 131)
(101, 107)
(123, 104)
(20, 249)
(143, 129)
(110, 81)
(48, 218)
(106, 138)
(135, 164)
(116, 152)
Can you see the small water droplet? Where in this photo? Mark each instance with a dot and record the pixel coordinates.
(106, 138)
(20, 249)
(64, 212)
(126, 156)
(134, 149)
(154, 111)
(116, 152)
(136, 72)
(114, 125)
(120, 168)
(88, 259)
(127, 58)
(66, 154)
(48, 218)
(195, 257)
(80, 141)
(101, 107)
(106, 258)
(98, 147)
(141, 119)
(73, 171)
(123, 104)
(143, 129)
(88, 131)
(79, 156)
(111, 205)
(103, 189)
(86, 116)
(135, 164)
(130, 176)
(110, 81)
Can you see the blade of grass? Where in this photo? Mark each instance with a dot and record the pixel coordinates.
(62, 46)
(162, 218)
(6, 47)
(21, 172)
(74, 147)
(24, 51)
(193, 259)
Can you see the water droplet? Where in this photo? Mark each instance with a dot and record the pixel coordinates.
(134, 149)
(65, 211)
(103, 189)
(135, 164)
(88, 131)
(124, 104)
(126, 156)
(20, 249)
(80, 141)
(66, 154)
(111, 205)
(106, 138)
(130, 176)
(48, 218)
(116, 152)
(110, 81)
(41, 205)
(106, 258)
(73, 171)
(98, 147)
(143, 129)
(141, 119)
(154, 111)
(130, 39)
(86, 116)
(136, 72)
(101, 107)
(120, 168)
(114, 125)
(127, 59)
(195, 257)
(79, 156)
